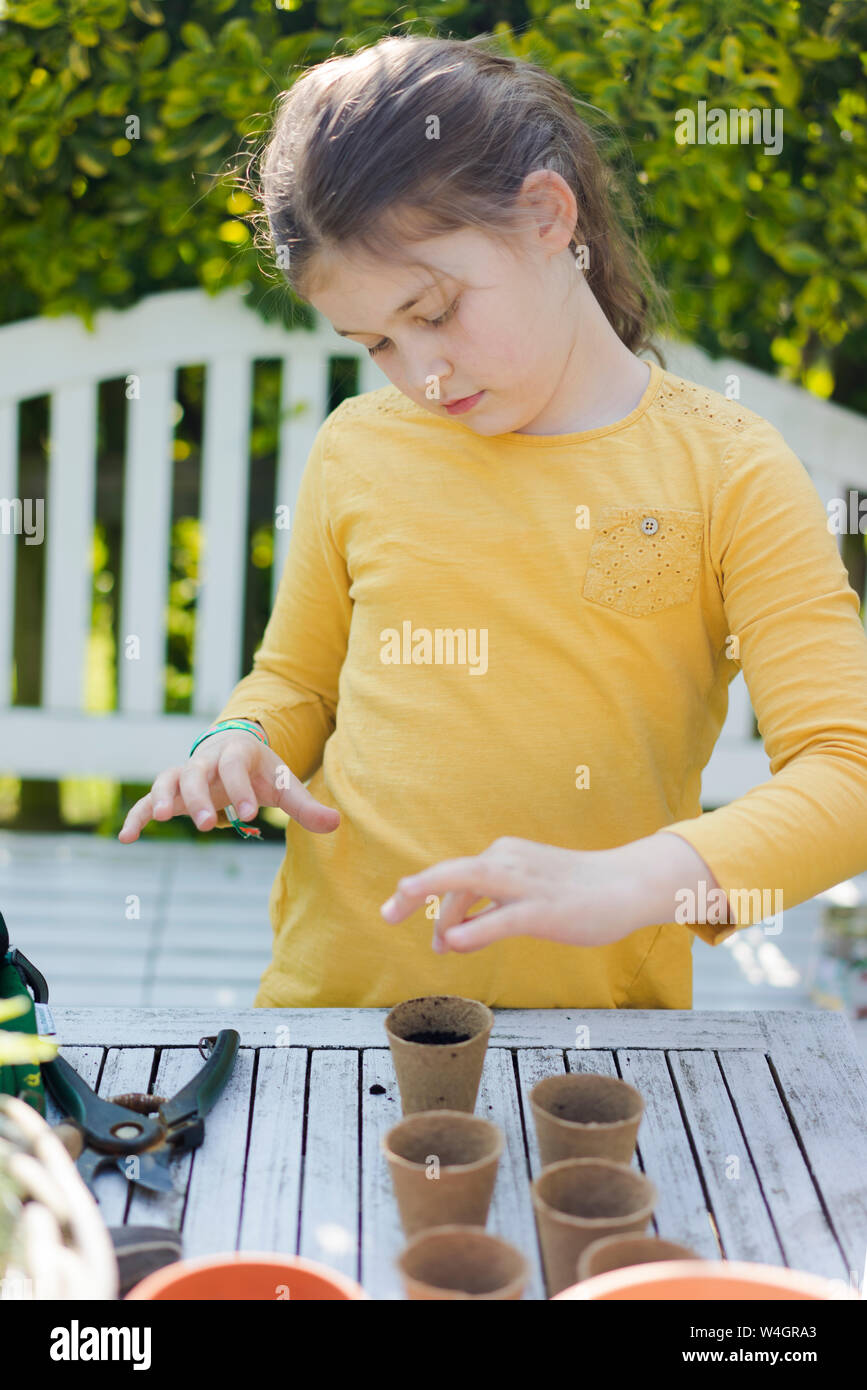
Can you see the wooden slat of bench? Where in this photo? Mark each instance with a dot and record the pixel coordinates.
(87, 1061)
(122, 1073)
(330, 1190)
(826, 1095)
(216, 1184)
(794, 1204)
(533, 1065)
(602, 1063)
(586, 1060)
(272, 1184)
(166, 1209)
(382, 1237)
(681, 1211)
(736, 1197)
(360, 1028)
(511, 1213)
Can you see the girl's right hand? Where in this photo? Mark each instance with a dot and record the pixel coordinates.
(228, 768)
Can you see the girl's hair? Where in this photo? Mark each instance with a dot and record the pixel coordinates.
(415, 137)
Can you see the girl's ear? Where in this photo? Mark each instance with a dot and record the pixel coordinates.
(552, 202)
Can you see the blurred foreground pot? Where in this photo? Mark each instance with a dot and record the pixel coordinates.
(54, 1243)
(248, 1275)
(709, 1280)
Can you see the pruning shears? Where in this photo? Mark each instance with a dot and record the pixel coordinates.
(136, 1133)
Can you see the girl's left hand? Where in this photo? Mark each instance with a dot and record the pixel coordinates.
(579, 897)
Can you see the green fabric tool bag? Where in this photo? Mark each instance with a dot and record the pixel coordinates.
(18, 977)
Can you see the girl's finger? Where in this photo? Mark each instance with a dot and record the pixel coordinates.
(137, 818)
(453, 909)
(164, 795)
(196, 795)
(235, 777)
(291, 795)
(485, 878)
(489, 925)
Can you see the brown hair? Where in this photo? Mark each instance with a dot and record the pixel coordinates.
(350, 165)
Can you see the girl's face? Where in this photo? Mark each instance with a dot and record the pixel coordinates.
(491, 324)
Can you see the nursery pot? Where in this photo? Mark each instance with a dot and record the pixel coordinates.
(248, 1276)
(443, 1165)
(586, 1115)
(577, 1201)
(438, 1046)
(617, 1252)
(710, 1281)
(462, 1263)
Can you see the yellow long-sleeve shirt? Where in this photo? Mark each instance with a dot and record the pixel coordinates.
(530, 635)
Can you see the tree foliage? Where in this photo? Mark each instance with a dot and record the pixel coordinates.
(122, 123)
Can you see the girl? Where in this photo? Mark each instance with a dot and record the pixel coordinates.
(520, 580)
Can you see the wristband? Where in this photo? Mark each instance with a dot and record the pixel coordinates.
(247, 832)
(222, 724)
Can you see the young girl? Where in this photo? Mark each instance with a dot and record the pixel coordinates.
(520, 580)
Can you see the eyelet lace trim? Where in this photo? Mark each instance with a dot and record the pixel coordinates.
(676, 396)
(639, 574)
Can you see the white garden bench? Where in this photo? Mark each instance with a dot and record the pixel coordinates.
(146, 345)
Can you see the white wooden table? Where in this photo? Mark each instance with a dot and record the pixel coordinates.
(755, 1130)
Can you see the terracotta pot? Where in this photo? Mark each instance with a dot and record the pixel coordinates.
(618, 1252)
(708, 1280)
(245, 1275)
(462, 1262)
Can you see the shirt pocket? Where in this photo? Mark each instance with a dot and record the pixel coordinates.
(644, 559)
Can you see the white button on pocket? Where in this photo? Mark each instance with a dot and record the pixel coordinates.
(641, 562)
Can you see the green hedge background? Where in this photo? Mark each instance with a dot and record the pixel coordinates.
(123, 125)
(763, 254)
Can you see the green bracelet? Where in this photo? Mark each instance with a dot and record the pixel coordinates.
(247, 832)
(248, 724)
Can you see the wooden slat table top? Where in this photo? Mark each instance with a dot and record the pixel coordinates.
(755, 1128)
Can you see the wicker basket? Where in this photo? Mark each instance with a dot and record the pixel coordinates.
(53, 1241)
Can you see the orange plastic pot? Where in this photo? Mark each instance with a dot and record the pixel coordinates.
(247, 1275)
(714, 1280)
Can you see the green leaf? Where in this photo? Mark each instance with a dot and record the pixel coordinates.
(38, 14)
(88, 159)
(732, 55)
(86, 32)
(117, 62)
(195, 37)
(80, 104)
(817, 50)
(798, 257)
(858, 278)
(45, 149)
(79, 63)
(147, 12)
(154, 49)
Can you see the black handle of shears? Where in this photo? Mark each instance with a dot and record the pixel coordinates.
(200, 1094)
(99, 1119)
